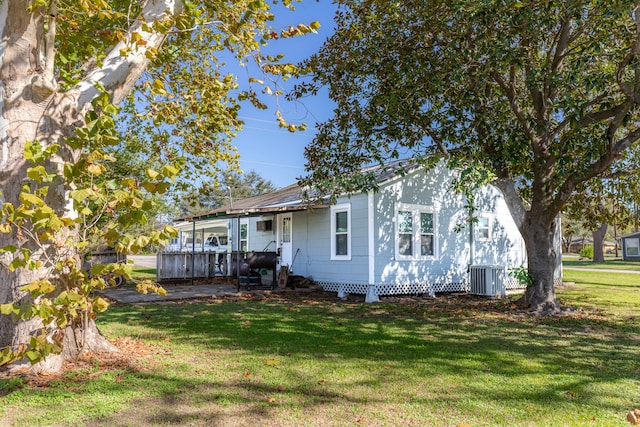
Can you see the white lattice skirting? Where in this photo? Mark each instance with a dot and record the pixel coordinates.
(373, 291)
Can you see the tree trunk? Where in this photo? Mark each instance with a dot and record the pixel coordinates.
(567, 243)
(28, 114)
(598, 240)
(31, 109)
(539, 236)
(538, 228)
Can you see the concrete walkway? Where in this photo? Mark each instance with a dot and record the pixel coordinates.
(127, 295)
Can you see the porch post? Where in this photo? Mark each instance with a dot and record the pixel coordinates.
(372, 294)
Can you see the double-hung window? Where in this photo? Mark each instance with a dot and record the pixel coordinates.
(415, 232)
(632, 246)
(244, 238)
(483, 228)
(341, 232)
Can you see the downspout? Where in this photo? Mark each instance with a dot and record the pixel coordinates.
(238, 263)
(372, 291)
(371, 232)
(471, 243)
(193, 250)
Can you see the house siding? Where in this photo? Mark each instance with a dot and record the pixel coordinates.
(313, 231)
(447, 271)
(456, 244)
(625, 244)
(504, 246)
(261, 241)
(385, 253)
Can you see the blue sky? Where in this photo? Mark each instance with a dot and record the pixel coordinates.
(275, 153)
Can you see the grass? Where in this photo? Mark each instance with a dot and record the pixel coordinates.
(616, 293)
(141, 273)
(324, 362)
(609, 264)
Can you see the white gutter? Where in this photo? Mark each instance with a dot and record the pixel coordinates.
(372, 236)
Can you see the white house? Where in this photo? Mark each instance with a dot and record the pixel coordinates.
(401, 239)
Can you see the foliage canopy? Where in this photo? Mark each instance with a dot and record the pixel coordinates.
(535, 97)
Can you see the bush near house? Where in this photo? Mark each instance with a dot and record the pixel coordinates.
(587, 252)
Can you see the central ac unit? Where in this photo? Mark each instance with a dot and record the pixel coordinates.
(487, 280)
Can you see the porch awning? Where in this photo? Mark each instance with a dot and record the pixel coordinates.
(287, 199)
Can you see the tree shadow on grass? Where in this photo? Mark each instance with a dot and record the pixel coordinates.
(486, 351)
(266, 363)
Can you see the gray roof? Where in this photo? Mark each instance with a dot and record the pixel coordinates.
(634, 234)
(289, 198)
(285, 199)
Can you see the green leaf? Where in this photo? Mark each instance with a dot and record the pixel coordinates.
(31, 199)
(39, 287)
(82, 194)
(151, 173)
(8, 309)
(95, 169)
(100, 305)
(170, 171)
(149, 186)
(34, 356)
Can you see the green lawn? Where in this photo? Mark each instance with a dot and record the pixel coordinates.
(609, 264)
(141, 273)
(322, 362)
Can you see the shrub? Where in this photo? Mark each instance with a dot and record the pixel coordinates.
(587, 252)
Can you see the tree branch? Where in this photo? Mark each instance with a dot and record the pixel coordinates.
(119, 73)
(631, 57)
(511, 96)
(513, 200)
(602, 164)
(44, 85)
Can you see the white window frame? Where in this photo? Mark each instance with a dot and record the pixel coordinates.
(335, 209)
(244, 242)
(637, 246)
(415, 210)
(479, 228)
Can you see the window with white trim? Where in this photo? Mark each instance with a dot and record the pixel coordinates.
(632, 246)
(244, 237)
(341, 232)
(483, 228)
(415, 232)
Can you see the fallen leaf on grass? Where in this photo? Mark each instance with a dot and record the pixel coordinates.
(570, 393)
(271, 399)
(634, 417)
(321, 382)
(247, 373)
(272, 362)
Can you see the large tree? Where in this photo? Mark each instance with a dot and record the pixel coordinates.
(533, 96)
(64, 67)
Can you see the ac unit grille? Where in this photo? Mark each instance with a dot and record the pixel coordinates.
(487, 280)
